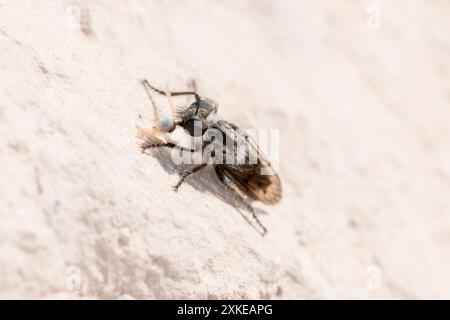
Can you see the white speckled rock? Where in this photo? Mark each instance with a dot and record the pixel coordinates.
(364, 155)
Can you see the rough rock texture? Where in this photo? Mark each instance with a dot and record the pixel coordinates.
(363, 109)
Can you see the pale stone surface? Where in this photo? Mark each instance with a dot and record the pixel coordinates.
(365, 152)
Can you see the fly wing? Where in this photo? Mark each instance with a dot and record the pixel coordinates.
(265, 188)
(254, 176)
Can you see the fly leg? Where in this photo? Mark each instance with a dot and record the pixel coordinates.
(240, 195)
(173, 93)
(186, 174)
(151, 145)
(164, 119)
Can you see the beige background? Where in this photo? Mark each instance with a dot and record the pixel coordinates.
(364, 157)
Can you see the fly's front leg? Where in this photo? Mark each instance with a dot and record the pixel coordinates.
(172, 93)
(240, 195)
(186, 174)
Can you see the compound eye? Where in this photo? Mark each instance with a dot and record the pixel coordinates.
(202, 114)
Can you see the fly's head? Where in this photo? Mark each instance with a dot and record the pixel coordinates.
(198, 117)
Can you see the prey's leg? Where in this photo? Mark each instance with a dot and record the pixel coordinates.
(144, 134)
(240, 195)
(186, 174)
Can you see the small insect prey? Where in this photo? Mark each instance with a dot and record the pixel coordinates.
(249, 175)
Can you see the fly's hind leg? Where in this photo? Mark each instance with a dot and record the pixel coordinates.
(240, 195)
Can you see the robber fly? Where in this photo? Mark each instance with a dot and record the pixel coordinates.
(246, 178)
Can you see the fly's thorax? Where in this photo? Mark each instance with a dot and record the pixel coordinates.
(201, 109)
(227, 146)
(196, 118)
